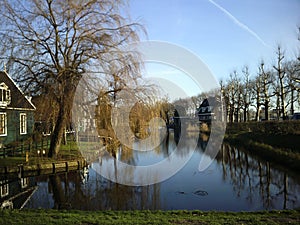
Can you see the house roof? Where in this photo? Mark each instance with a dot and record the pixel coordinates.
(205, 103)
(18, 99)
(210, 101)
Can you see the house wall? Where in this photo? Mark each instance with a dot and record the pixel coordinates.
(13, 126)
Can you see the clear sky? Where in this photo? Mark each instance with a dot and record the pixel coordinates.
(224, 34)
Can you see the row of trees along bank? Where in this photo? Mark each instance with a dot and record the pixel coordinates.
(271, 94)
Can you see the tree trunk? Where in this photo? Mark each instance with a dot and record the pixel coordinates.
(266, 110)
(282, 95)
(231, 112)
(245, 114)
(257, 110)
(257, 114)
(57, 134)
(65, 108)
(278, 106)
(257, 104)
(292, 101)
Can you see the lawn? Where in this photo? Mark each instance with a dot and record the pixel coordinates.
(41, 217)
(69, 151)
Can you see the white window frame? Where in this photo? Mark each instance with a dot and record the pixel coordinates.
(5, 97)
(23, 123)
(4, 189)
(5, 123)
(24, 182)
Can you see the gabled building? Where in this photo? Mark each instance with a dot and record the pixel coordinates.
(204, 112)
(16, 112)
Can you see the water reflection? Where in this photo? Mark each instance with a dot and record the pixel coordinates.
(236, 181)
(15, 191)
(256, 177)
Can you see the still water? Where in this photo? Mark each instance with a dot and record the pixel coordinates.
(235, 181)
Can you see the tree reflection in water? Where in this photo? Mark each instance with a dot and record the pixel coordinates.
(256, 176)
(235, 181)
(68, 192)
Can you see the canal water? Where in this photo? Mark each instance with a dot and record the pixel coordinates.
(235, 181)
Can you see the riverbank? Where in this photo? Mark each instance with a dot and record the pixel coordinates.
(26, 170)
(277, 142)
(36, 163)
(147, 217)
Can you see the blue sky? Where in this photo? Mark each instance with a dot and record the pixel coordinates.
(224, 34)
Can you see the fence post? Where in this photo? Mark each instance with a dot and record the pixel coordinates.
(27, 156)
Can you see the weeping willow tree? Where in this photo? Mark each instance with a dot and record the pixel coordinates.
(50, 45)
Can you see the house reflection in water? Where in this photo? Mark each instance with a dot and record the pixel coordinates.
(15, 192)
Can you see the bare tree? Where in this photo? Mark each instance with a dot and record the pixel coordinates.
(55, 43)
(229, 95)
(281, 75)
(246, 93)
(256, 84)
(292, 70)
(266, 82)
(234, 96)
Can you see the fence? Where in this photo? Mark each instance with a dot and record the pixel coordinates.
(21, 148)
(37, 147)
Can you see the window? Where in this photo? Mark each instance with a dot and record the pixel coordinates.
(5, 97)
(24, 182)
(23, 123)
(3, 129)
(4, 191)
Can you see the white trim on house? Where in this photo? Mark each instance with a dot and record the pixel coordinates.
(5, 97)
(4, 188)
(23, 123)
(24, 182)
(20, 109)
(3, 125)
(19, 89)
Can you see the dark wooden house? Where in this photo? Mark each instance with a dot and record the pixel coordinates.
(205, 111)
(16, 112)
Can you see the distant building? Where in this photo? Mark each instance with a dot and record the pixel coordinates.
(16, 112)
(204, 112)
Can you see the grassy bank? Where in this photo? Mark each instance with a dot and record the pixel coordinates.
(67, 152)
(277, 142)
(40, 217)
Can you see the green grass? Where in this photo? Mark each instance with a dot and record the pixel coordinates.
(287, 142)
(41, 217)
(69, 151)
(12, 161)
